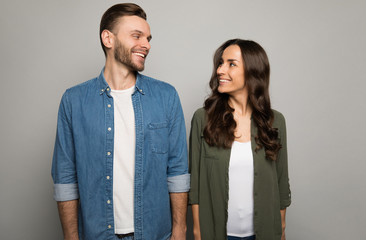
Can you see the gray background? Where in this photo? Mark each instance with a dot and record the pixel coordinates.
(318, 59)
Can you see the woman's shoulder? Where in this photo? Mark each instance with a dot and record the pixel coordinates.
(278, 118)
(199, 113)
(198, 118)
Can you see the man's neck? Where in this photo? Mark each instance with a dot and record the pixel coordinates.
(118, 76)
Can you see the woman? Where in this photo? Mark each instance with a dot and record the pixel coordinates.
(238, 155)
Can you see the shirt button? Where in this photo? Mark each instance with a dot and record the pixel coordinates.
(108, 153)
(108, 201)
(108, 177)
(109, 105)
(109, 129)
(109, 226)
(107, 89)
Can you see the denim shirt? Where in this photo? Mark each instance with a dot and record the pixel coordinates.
(82, 165)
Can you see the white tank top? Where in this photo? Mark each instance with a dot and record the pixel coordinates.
(241, 202)
(123, 161)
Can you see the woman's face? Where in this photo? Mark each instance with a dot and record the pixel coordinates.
(230, 72)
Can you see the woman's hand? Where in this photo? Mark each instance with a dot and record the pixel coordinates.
(283, 235)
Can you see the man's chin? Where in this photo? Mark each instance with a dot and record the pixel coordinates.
(136, 68)
(139, 68)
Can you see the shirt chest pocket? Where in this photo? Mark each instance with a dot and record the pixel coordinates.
(159, 137)
(212, 153)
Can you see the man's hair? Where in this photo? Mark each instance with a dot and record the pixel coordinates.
(111, 17)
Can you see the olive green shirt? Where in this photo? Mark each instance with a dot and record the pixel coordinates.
(209, 168)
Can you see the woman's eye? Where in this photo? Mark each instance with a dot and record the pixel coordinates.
(232, 65)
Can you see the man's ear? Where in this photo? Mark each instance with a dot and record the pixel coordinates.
(107, 38)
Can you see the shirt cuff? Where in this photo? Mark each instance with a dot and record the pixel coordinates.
(179, 183)
(66, 192)
(285, 200)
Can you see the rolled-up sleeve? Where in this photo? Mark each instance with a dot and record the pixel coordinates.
(179, 183)
(178, 176)
(63, 163)
(66, 192)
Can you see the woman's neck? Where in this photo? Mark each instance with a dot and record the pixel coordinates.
(240, 105)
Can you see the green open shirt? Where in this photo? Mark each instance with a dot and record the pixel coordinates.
(210, 182)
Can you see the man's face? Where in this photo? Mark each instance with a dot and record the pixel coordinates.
(131, 45)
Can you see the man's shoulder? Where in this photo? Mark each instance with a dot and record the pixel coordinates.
(82, 87)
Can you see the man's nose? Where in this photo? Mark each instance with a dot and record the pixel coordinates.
(146, 44)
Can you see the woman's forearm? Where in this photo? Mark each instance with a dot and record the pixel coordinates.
(283, 222)
(196, 222)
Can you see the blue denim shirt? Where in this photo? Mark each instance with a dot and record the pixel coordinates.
(83, 156)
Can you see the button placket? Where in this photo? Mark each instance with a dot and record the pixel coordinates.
(109, 126)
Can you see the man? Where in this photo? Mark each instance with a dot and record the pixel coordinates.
(120, 158)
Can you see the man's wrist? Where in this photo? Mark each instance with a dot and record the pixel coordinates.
(179, 233)
(179, 228)
(73, 237)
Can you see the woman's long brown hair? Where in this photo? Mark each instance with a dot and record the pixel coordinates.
(221, 125)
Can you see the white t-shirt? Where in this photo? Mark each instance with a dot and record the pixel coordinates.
(241, 201)
(123, 161)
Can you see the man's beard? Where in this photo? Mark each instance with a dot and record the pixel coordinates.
(123, 55)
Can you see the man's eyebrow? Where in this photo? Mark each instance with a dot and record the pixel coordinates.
(137, 31)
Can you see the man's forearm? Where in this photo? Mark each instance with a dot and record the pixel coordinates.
(68, 212)
(179, 214)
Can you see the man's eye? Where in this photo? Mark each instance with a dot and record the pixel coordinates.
(136, 36)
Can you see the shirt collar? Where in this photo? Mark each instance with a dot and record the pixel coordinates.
(139, 83)
(104, 87)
